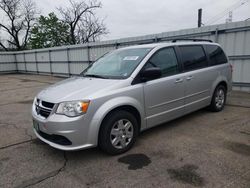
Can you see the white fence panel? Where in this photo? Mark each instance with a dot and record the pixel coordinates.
(42, 56)
(31, 67)
(20, 57)
(77, 68)
(43, 67)
(30, 57)
(79, 54)
(58, 68)
(21, 66)
(59, 56)
(97, 52)
(6, 67)
(7, 58)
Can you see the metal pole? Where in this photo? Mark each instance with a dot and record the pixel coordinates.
(68, 61)
(50, 63)
(88, 54)
(36, 62)
(156, 39)
(199, 17)
(25, 66)
(16, 62)
(216, 34)
(116, 45)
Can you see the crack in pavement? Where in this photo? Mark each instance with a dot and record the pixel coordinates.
(36, 180)
(42, 178)
(7, 124)
(245, 132)
(16, 127)
(236, 105)
(26, 133)
(18, 143)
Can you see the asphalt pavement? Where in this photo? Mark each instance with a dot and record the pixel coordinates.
(202, 149)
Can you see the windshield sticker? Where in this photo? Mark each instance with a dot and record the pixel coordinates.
(130, 58)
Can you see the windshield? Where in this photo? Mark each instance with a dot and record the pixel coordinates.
(118, 64)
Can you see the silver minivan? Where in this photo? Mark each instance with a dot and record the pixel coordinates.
(130, 90)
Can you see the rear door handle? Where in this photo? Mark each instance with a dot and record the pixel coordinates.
(179, 80)
(189, 78)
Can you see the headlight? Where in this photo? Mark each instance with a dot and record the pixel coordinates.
(73, 108)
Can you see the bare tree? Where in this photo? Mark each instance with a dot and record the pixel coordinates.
(80, 16)
(90, 29)
(19, 17)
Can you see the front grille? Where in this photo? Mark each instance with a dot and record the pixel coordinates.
(47, 104)
(58, 139)
(44, 108)
(42, 112)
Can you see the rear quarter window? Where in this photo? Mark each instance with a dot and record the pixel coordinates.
(216, 55)
(193, 57)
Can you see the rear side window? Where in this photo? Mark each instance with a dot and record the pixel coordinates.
(166, 60)
(216, 55)
(193, 57)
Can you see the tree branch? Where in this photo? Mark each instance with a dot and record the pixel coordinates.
(20, 15)
(1, 44)
(77, 13)
(7, 29)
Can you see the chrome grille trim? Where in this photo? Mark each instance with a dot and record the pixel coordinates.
(42, 110)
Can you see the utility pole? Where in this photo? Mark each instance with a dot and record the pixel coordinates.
(199, 17)
(230, 17)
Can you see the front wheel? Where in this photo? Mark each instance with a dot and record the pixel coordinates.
(118, 132)
(219, 99)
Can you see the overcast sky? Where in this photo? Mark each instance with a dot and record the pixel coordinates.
(125, 18)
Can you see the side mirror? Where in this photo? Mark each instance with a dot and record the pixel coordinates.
(150, 73)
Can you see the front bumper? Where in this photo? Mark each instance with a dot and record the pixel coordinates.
(76, 131)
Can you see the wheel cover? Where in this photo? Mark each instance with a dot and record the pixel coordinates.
(121, 133)
(220, 98)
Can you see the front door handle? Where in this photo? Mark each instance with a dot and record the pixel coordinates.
(179, 80)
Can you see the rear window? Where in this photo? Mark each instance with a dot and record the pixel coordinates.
(216, 55)
(193, 57)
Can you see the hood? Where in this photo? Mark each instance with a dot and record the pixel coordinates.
(78, 88)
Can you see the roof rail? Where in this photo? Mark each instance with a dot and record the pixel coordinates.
(195, 40)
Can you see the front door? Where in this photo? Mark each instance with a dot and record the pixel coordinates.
(164, 97)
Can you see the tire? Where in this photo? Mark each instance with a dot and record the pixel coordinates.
(118, 132)
(219, 99)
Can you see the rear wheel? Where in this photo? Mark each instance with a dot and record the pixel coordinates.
(219, 99)
(118, 132)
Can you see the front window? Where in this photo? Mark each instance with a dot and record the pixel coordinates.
(118, 64)
(166, 60)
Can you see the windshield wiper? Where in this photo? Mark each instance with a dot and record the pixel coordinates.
(94, 76)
